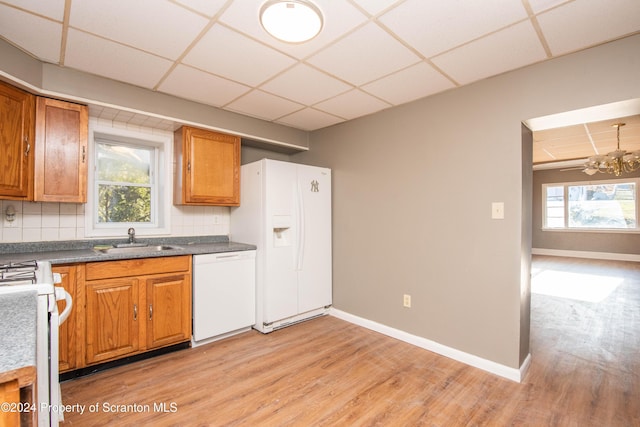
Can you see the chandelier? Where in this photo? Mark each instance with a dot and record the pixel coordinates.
(615, 162)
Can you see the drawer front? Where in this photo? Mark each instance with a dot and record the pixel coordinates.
(137, 267)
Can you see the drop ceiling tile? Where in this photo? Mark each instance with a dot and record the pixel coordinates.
(352, 104)
(632, 124)
(305, 85)
(511, 48)
(104, 58)
(158, 27)
(415, 82)
(43, 43)
(541, 5)
(53, 9)
(310, 119)
(196, 85)
(577, 152)
(592, 22)
(264, 105)
(229, 54)
(374, 7)
(340, 17)
(560, 133)
(433, 27)
(206, 7)
(540, 156)
(571, 142)
(364, 55)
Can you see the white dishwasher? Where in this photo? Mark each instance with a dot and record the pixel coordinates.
(224, 295)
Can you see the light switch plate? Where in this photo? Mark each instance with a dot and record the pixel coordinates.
(497, 210)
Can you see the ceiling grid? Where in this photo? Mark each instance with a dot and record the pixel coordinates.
(369, 56)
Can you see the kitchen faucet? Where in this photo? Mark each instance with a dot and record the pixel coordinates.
(132, 234)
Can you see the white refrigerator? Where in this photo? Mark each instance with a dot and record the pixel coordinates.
(285, 210)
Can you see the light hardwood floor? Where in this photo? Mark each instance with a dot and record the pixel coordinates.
(585, 371)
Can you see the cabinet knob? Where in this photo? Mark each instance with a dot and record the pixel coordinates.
(150, 311)
(84, 153)
(135, 311)
(26, 151)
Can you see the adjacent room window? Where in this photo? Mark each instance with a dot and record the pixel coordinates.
(599, 205)
(130, 188)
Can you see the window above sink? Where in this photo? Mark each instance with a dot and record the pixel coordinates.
(129, 182)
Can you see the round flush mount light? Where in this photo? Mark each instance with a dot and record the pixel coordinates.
(291, 21)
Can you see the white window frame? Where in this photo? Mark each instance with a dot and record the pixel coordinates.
(566, 227)
(161, 183)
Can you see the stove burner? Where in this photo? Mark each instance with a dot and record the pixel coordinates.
(12, 272)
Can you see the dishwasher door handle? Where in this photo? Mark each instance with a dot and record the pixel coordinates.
(226, 257)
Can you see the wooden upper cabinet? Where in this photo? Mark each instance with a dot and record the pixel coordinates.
(207, 168)
(61, 151)
(17, 114)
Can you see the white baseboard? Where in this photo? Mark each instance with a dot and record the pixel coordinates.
(586, 254)
(466, 358)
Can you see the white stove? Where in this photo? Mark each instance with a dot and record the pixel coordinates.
(37, 275)
(26, 275)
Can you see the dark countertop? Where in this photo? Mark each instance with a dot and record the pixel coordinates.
(18, 324)
(79, 251)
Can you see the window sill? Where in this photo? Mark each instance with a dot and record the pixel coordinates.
(588, 230)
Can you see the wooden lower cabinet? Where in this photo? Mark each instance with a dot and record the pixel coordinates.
(112, 319)
(10, 396)
(121, 308)
(137, 305)
(168, 310)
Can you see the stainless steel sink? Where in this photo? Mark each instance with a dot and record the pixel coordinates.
(137, 249)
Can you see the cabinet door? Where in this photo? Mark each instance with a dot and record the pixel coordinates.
(113, 315)
(61, 151)
(67, 339)
(10, 395)
(17, 112)
(168, 310)
(210, 165)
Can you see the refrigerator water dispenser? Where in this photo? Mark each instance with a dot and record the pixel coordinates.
(281, 231)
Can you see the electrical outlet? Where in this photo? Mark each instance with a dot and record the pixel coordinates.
(497, 210)
(407, 301)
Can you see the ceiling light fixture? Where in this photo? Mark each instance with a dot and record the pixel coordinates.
(615, 162)
(291, 21)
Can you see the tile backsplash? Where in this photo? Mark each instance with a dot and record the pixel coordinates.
(38, 221)
(34, 221)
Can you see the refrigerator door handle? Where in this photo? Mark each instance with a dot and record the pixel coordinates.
(300, 215)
